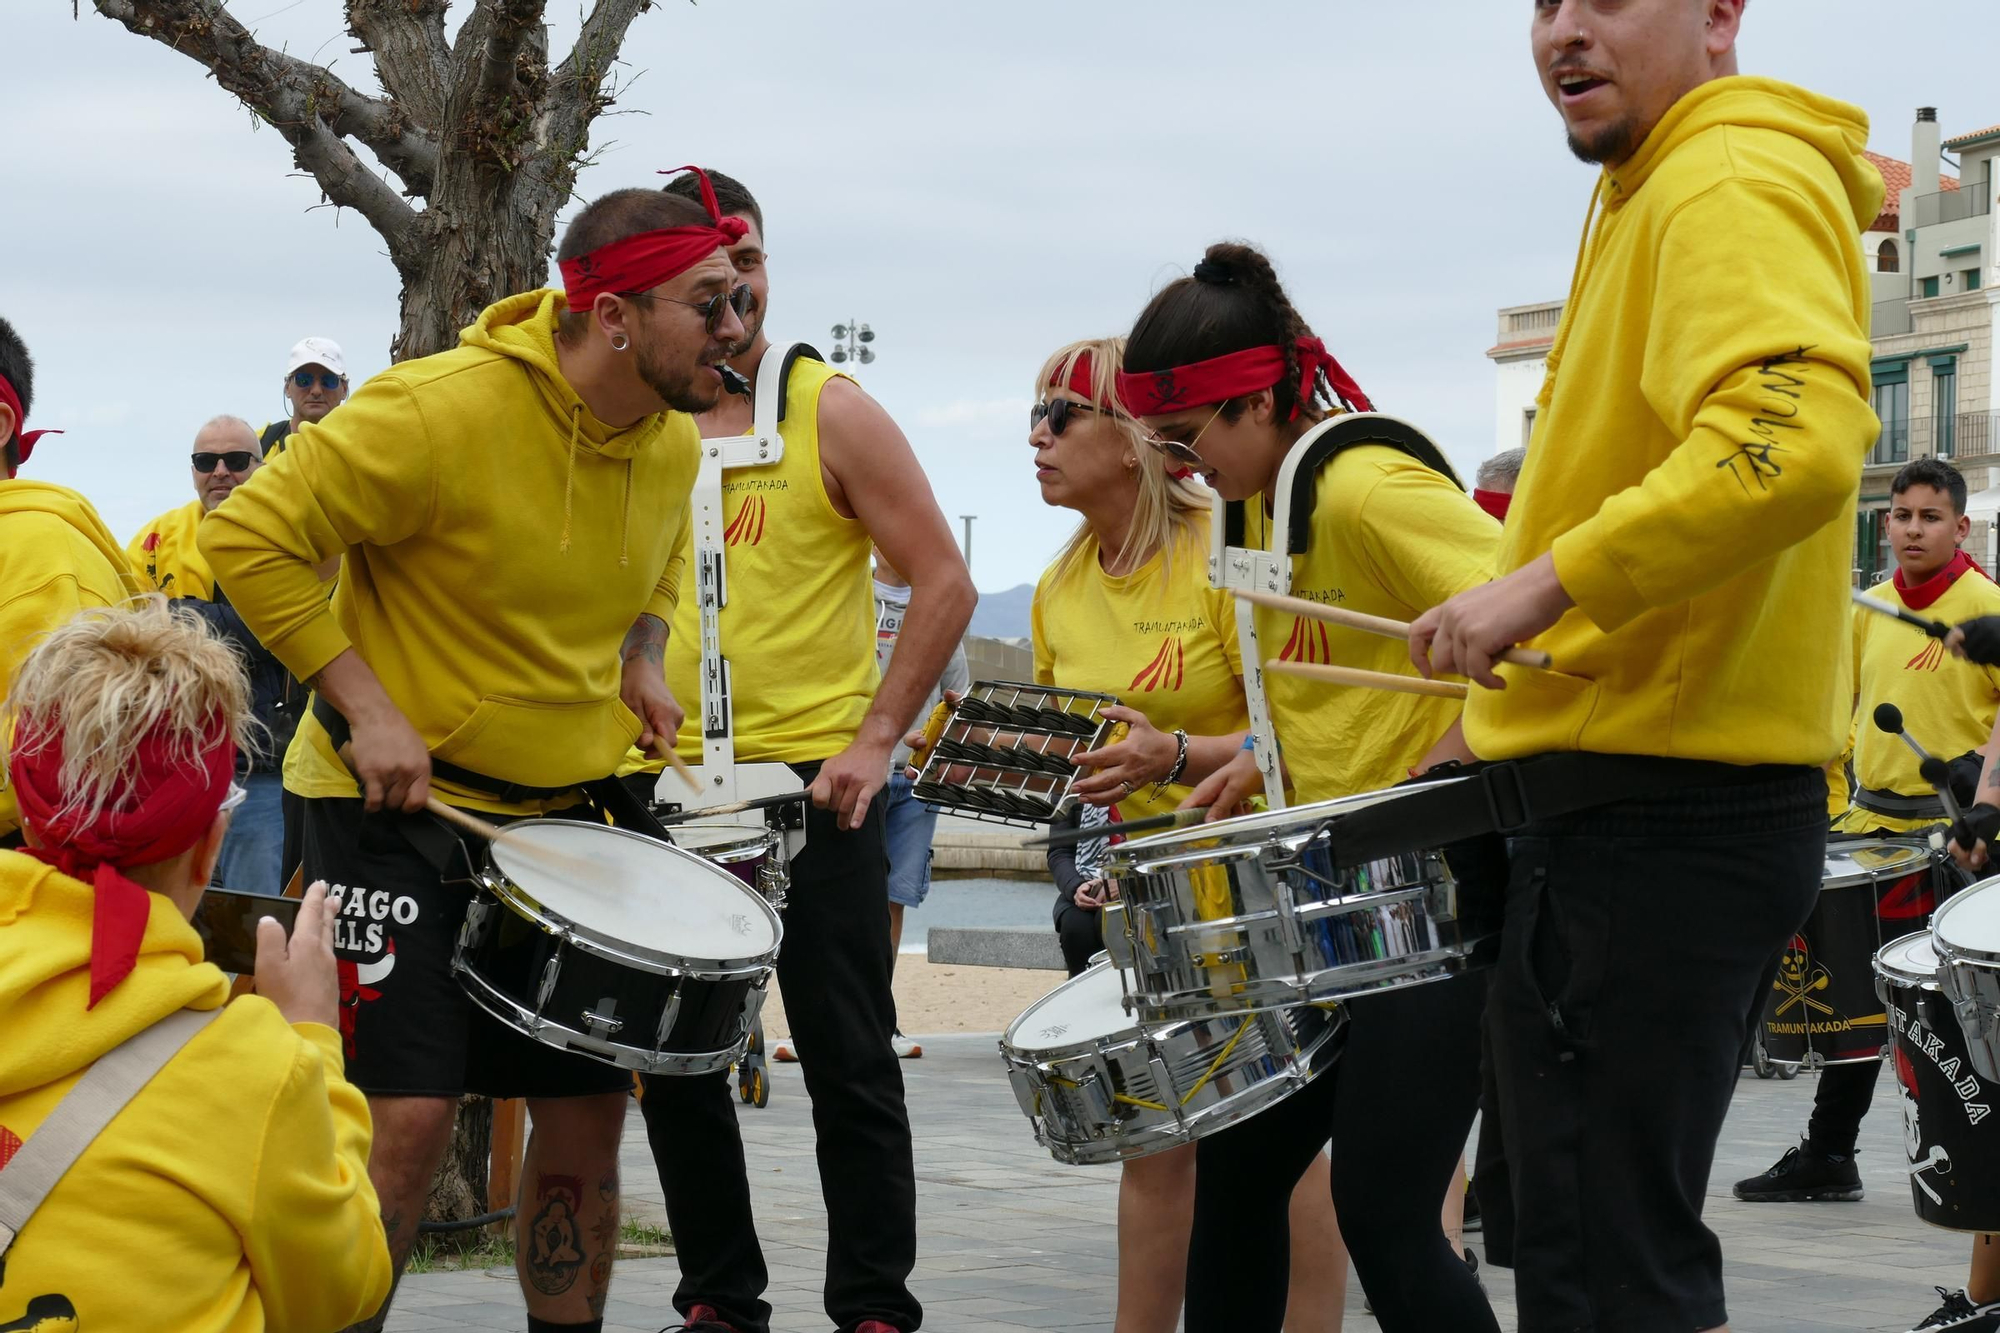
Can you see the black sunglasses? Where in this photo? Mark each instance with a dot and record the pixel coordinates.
(711, 309)
(236, 460)
(1057, 413)
(304, 379)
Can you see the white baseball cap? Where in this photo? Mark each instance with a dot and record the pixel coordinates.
(316, 352)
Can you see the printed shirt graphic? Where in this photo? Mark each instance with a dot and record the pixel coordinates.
(165, 559)
(1390, 537)
(1948, 705)
(1159, 638)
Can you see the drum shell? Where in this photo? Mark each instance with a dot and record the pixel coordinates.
(1969, 975)
(1138, 1092)
(756, 856)
(1852, 919)
(570, 992)
(1947, 1109)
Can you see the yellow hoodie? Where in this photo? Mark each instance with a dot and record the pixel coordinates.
(1699, 445)
(499, 540)
(231, 1194)
(56, 558)
(164, 557)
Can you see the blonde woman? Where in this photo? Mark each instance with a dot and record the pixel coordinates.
(1126, 609)
(234, 1186)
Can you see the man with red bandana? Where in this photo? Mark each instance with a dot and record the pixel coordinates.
(252, 1208)
(506, 513)
(56, 555)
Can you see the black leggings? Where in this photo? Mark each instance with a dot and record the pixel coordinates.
(1398, 1106)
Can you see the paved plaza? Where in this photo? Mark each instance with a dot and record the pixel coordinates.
(1013, 1241)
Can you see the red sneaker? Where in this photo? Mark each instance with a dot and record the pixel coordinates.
(876, 1326)
(702, 1319)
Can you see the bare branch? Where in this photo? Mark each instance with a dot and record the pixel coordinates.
(412, 58)
(509, 25)
(576, 91)
(303, 102)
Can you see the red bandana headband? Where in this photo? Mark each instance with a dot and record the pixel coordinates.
(1082, 378)
(164, 808)
(1495, 503)
(1148, 393)
(642, 262)
(12, 402)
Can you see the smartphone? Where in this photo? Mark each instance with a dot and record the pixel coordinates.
(227, 921)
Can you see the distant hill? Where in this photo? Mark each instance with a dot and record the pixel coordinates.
(1003, 615)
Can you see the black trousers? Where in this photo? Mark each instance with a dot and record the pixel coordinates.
(1080, 931)
(1638, 939)
(1398, 1104)
(834, 970)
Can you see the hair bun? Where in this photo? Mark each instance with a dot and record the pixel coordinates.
(1214, 272)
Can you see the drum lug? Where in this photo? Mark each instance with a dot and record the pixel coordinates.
(473, 930)
(667, 1017)
(548, 986)
(1094, 1086)
(1117, 931)
(1163, 1082)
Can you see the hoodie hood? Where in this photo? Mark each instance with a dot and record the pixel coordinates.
(523, 328)
(45, 919)
(40, 497)
(1837, 130)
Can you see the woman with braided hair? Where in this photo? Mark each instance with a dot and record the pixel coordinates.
(1227, 377)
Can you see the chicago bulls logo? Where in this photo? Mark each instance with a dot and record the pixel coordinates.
(358, 986)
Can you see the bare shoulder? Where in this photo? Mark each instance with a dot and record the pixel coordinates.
(848, 414)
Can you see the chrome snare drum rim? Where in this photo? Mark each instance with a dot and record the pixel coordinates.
(1251, 913)
(1131, 1092)
(1966, 933)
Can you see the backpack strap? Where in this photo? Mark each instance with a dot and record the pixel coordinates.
(84, 1111)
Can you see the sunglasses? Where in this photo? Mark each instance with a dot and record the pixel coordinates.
(711, 309)
(327, 380)
(236, 460)
(236, 797)
(1057, 413)
(1185, 453)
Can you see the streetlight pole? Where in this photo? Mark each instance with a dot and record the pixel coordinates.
(968, 539)
(850, 343)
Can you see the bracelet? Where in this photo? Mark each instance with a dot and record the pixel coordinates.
(1180, 764)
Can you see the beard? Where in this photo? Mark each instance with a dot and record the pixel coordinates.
(753, 328)
(688, 389)
(1608, 146)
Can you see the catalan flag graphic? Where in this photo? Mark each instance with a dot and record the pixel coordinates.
(1307, 644)
(1165, 671)
(1928, 657)
(747, 528)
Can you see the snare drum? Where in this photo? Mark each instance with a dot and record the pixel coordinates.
(1098, 1089)
(1950, 1133)
(1822, 1007)
(1967, 934)
(1251, 913)
(753, 853)
(598, 940)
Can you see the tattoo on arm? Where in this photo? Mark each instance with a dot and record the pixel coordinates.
(646, 641)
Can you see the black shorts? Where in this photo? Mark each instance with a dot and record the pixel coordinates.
(408, 1028)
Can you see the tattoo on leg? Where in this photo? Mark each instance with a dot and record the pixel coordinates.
(647, 640)
(600, 1284)
(607, 1188)
(552, 1250)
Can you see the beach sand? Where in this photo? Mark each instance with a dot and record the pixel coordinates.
(936, 998)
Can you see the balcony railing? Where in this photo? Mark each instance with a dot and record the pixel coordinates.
(1889, 319)
(1973, 200)
(1893, 446)
(1967, 435)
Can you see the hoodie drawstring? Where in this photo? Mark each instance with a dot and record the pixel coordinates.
(625, 516)
(569, 474)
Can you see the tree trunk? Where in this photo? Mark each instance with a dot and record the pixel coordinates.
(458, 1191)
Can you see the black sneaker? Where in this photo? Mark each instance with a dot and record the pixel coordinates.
(1474, 1223)
(1805, 1175)
(1960, 1315)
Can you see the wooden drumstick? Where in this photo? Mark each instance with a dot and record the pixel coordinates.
(680, 766)
(1388, 629)
(1373, 680)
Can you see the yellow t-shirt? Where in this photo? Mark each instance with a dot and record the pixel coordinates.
(1390, 537)
(1948, 705)
(1159, 638)
(165, 558)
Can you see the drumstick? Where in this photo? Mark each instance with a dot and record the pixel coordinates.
(1069, 837)
(1388, 629)
(471, 823)
(1374, 680)
(735, 807)
(680, 767)
(1937, 629)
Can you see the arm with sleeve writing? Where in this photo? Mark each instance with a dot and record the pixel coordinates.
(1756, 359)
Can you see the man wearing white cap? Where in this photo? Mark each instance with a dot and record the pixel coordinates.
(315, 384)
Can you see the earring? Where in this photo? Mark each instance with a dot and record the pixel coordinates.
(619, 342)
(1130, 462)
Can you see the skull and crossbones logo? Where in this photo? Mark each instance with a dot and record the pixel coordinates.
(1799, 978)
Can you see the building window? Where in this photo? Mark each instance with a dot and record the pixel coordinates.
(1944, 408)
(1892, 405)
(1971, 280)
(1527, 427)
(1885, 258)
(1929, 287)
(1871, 547)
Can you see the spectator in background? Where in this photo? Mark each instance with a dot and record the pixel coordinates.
(910, 823)
(165, 559)
(1081, 889)
(1493, 485)
(56, 556)
(315, 384)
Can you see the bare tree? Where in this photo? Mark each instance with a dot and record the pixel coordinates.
(485, 136)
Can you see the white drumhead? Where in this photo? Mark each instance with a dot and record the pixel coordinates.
(635, 890)
(1913, 958)
(713, 840)
(1865, 862)
(1087, 1006)
(1970, 922)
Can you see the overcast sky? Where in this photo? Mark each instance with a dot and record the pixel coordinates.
(981, 183)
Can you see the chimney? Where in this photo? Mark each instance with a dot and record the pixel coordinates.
(1925, 158)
